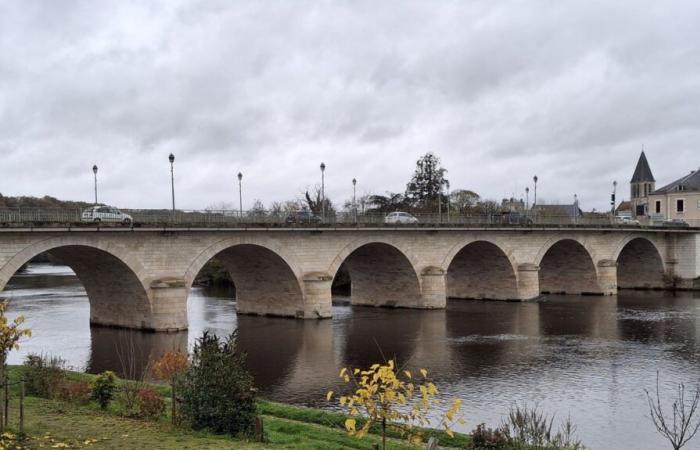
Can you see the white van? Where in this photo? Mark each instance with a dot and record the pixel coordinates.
(105, 214)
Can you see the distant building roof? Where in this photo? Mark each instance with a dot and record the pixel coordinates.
(690, 182)
(560, 210)
(624, 206)
(642, 172)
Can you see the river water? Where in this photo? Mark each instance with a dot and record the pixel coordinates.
(587, 357)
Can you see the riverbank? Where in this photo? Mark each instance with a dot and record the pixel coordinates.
(59, 424)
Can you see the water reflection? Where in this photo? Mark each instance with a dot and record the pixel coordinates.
(589, 357)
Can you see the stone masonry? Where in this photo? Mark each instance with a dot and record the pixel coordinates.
(141, 278)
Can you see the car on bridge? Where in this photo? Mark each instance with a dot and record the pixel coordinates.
(675, 223)
(400, 217)
(626, 220)
(105, 214)
(302, 216)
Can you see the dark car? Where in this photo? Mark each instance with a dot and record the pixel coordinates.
(303, 216)
(675, 223)
(515, 218)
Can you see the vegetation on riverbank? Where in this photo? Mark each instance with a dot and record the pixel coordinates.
(53, 422)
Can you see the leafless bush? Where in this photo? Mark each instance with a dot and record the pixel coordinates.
(531, 427)
(684, 421)
(128, 396)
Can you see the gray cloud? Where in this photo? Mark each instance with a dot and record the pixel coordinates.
(499, 90)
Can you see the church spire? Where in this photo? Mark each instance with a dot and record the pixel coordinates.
(643, 172)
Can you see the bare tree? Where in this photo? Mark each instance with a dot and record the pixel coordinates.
(683, 424)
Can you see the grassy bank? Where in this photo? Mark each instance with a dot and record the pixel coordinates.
(57, 424)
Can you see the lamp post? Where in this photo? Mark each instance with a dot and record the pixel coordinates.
(612, 202)
(354, 204)
(171, 158)
(534, 202)
(323, 192)
(94, 171)
(447, 185)
(240, 195)
(527, 198)
(575, 209)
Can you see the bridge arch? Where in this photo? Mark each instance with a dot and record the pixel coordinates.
(113, 280)
(381, 274)
(481, 269)
(639, 264)
(268, 281)
(566, 266)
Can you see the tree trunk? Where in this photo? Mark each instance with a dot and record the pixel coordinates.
(383, 433)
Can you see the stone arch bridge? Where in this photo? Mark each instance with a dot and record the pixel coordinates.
(140, 278)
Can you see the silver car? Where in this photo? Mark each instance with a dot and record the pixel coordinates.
(400, 217)
(105, 214)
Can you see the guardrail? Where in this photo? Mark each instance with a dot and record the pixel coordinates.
(47, 217)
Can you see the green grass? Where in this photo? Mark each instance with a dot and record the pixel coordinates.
(49, 423)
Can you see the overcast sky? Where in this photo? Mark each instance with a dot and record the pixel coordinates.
(500, 91)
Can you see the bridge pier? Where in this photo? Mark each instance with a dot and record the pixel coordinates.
(528, 281)
(433, 288)
(317, 296)
(169, 304)
(607, 276)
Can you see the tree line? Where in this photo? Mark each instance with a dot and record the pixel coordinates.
(427, 192)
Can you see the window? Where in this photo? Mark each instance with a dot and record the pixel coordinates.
(657, 206)
(680, 205)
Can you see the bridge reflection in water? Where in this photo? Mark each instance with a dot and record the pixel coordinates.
(585, 356)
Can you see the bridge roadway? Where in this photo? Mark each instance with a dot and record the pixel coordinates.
(141, 277)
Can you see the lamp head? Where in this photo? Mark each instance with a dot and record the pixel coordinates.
(354, 182)
(94, 169)
(171, 158)
(240, 176)
(323, 167)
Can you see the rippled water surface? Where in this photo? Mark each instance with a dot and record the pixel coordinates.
(587, 357)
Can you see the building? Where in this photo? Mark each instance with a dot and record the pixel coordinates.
(624, 209)
(641, 185)
(567, 213)
(678, 200)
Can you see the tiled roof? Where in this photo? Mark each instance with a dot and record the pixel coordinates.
(690, 182)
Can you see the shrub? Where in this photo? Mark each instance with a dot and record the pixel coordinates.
(217, 390)
(526, 426)
(43, 375)
(75, 391)
(127, 398)
(103, 388)
(484, 438)
(151, 405)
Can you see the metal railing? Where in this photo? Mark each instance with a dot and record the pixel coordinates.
(48, 217)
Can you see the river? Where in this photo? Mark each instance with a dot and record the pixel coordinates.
(587, 357)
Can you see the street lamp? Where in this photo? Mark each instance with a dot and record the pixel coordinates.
(534, 202)
(527, 198)
(612, 202)
(575, 208)
(354, 204)
(94, 170)
(323, 192)
(447, 185)
(240, 195)
(171, 158)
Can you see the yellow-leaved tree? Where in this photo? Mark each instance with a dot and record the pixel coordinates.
(393, 399)
(10, 334)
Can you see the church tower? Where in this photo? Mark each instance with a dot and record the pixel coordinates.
(641, 185)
